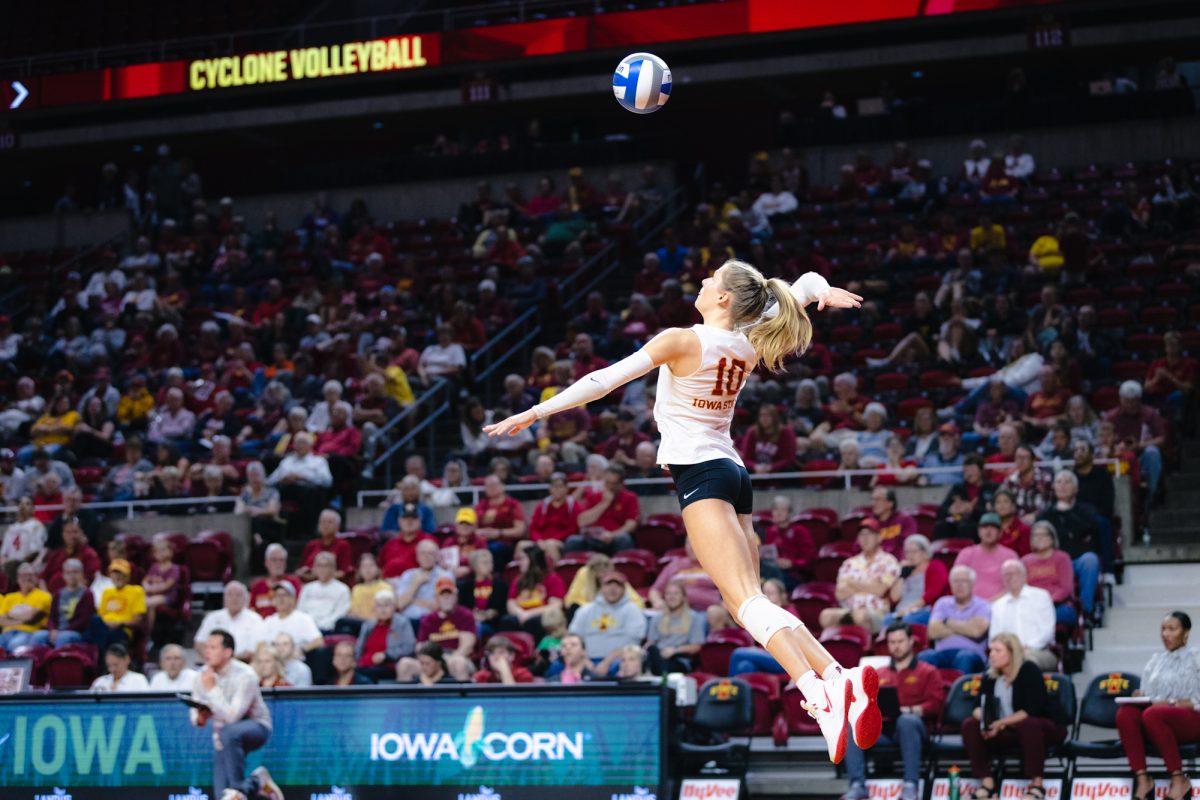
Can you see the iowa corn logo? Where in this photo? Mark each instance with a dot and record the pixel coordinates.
(1051, 683)
(724, 690)
(1115, 683)
(972, 686)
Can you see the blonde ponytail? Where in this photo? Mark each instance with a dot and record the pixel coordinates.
(774, 338)
(789, 331)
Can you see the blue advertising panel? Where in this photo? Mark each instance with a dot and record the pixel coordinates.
(470, 743)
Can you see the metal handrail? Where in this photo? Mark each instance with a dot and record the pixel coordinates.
(847, 475)
(403, 442)
(437, 386)
(135, 504)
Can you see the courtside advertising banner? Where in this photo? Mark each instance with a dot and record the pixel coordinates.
(347, 745)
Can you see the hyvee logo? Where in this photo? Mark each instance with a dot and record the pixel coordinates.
(712, 789)
(335, 793)
(474, 741)
(484, 793)
(59, 794)
(639, 793)
(1101, 789)
(193, 793)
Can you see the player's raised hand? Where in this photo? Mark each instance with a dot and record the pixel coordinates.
(512, 425)
(838, 298)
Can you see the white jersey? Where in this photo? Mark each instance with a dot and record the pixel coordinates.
(694, 412)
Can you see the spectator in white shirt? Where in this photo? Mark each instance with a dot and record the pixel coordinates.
(302, 467)
(26, 407)
(243, 623)
(119, 677)
(24, 540)
(1019, 162)
(295, 671)
(1026, 612)
(174, 674)
(976, 164)
(318, 419)
(301, 477)
(444, 359)
(142, 259)
(288, 619)
(326, 599)
(415, 587)
(777, 201)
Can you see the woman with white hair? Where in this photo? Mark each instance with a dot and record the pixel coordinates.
(261, 504)
(1050, 568)
(872, 440)
(923, 579)
(319, 418)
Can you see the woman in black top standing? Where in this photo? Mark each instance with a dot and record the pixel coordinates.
(1014, 709)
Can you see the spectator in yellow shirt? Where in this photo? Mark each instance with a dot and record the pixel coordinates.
(55, 427)
(122, 607)
(134, 407)
(23, 612)
(1045, 254)
(988, 235)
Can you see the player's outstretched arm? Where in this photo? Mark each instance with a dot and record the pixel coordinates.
(811, 287)
(665, 348)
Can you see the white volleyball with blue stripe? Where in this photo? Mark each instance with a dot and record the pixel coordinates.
(642, 83)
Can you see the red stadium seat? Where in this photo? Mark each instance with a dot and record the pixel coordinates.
(891, 382)
(817, 526)
(820, 465)
(208, 562)
(908, 407)
(766, 701)
(830, 558)
(946, 550)
(719, 646)
(669, 519)
(68, 669)
(799, 723)
(850, 524)
(656, 538)
(634, 570)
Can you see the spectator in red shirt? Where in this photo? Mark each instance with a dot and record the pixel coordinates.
(1052, 569)
(546, 201)
(494, 311)
(384, 640)
(271, 304)
(327, 540)
(452, 627)
(486, 593)
(769, 445)
(400, 354)
(1140, 429)
(583, 351)
(501, 519)
(262, 592)
(75, 545)
(845, 408)
(399, 554)
(894, 525)
(1007, 440)
(466, 540)
(1014, 531)
(556, 518)
(466, 329)
(609, 516)
(793, 544)
(921, 692)
(1171, 380)
(923, 579)
(621, 447)
(535, 590)
(1048, 405)
(500, 659)
(340, 444)
(649, 280)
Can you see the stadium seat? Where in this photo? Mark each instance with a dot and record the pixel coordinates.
(635, 571)
(657, 538)
(946, 550)
(68, 668)
(829, 560)
(1099, 710)
(723, 706)
(765, 687)
(818, 527)
(719, 646)
(961, 701)
(799, 723)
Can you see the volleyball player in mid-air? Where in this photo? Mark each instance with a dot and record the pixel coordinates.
(748, 319)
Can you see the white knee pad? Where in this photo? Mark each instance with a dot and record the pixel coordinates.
(763, 619)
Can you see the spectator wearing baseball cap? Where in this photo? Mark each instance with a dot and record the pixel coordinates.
(465, 541)
(399, 553)
(122, 608)
(987, 558)
(863, 582)
(609, 622)
(449, 625)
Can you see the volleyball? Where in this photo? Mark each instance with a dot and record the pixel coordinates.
(642, 83)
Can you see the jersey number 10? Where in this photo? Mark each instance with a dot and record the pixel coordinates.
(729, 383)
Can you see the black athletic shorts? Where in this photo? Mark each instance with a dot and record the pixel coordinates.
(720, 478)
